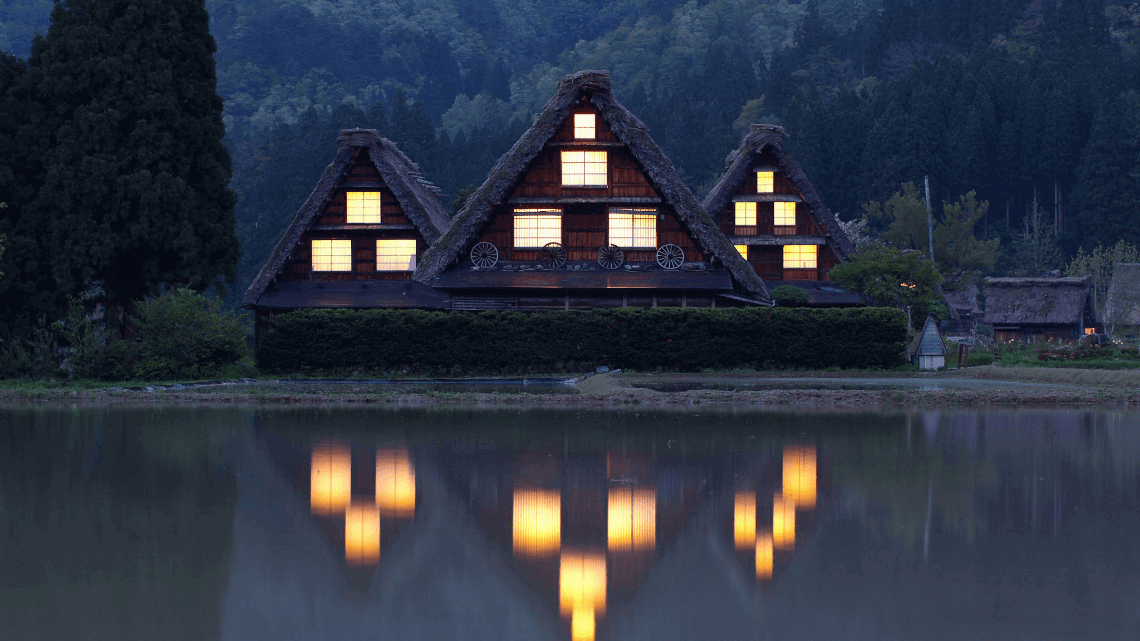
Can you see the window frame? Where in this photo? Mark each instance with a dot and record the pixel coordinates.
(332, 254)
(792, 248)
(742, 250)
(765, 178)
(414, 255)
(379, 199)
(747, 214)
(534, 213)
(644, 214)
(584, 163)
(592, 127)
(776, 207)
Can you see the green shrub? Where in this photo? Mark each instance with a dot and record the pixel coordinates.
(789, 296)
(182, 334)
(981, 358)
(91, 350)
(642, 339)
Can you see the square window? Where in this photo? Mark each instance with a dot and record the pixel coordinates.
(362, 207)
(799, 257)
(745, 214)
(584, 126)
(332, 255)
(633, 228)
(396, 255)
(584, 169)
(765, 182)
(537, 227)
(784, 214)
(743, 250)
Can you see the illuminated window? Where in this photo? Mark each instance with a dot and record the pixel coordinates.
(785, 214)
(396, 255)
(363, 207)
(799, 257)
(765, 182)
(633, 228)
(584, 168)
(584, 126)
(332, 255)
(745, 214)
(743, 249)
(536, 227)
(1089, 331)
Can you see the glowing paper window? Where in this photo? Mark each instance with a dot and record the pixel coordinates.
(582, 590)
(396, 255)
(800, 475)
(783, 522)
(764, 555)
(765, 182)
(584, 126)
(632, 518)
(584, 169)
(784, 214)
(537, 522)
(362, 207)
(362, 533)
(745, 214)
(799, 256)
(633, 228)
(536, 227)
(744, 520)
(395, 483)
(743, 250)
(330, 478)
(332, 255)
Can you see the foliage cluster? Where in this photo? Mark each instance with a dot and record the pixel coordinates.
(789, 296)
(689, 339)
(904, 279)
(1064, 355)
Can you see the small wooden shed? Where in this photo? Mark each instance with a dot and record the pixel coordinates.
(931, 352)
(1039, 309)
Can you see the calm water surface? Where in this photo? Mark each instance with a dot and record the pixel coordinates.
(350, 523)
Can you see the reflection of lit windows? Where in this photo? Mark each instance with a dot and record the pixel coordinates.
(395, 483)
(537, 522)
(765, 182)
(332, 255)
(764, 556)
(537, 227)
(800, 475)
(799, 257)
(396, 255)
(784, 214)
(331, 478)
(744, 520)
(743, 250)
(362, 533)
(745, 214)
(633, 228)
(632, 518)
(584, 126)
(783, 522)
(584, 168)
(582, 590)
(363, 207)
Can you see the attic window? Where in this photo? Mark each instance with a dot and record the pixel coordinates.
(584, 126)
(584, 169)
(746, 215)
(537, 227)
(332, 255)
(633, 228)
(765, 182)
(362, 207)
(396, 255)
(784, 214)
(799, 256)
(743, 250)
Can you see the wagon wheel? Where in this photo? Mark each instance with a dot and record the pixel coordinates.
(553, 256)
(670, 256)
(610, 256)
(484, 254)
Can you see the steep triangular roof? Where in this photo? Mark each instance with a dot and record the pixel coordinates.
(930, 342)
(739, 164)
(658, 169)
(418, 198)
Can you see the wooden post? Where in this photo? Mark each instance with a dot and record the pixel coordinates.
(929, 218)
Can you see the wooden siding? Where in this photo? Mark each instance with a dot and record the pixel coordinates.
(624, 178)
(602, 131)
(768, 262)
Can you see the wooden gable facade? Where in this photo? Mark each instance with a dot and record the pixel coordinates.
(585, 211)
(358, 238)
(774, 216)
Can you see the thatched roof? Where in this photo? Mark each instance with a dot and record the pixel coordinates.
(1036, 301)
(965, 300)
(501, 182)
(1123, 297)
(418, 198)
(739, 165)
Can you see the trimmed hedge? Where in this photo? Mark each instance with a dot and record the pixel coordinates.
(672, 338)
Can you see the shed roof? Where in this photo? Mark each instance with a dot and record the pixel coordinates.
(594, 86)
(930, 342)
(418, 198)
(1036, 301)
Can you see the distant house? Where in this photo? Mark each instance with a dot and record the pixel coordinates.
(1039, 309)
(777, 220)
(585, 211)
(930, 351)
(1122, 302)
(358, 238)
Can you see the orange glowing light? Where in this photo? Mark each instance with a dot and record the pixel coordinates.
(744, 520)
(632, 518)
(582, 582)
(764, 556)
(783, 522)
(800, 475)
(537, 519)
(362, 533)
(582, 625)
(395, 483)
(331, 478)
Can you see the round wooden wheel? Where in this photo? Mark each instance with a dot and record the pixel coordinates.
(610, 256)
(484, 254)
(670, 256)
(554, 255)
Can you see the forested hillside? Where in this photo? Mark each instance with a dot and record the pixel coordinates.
(1022, 101)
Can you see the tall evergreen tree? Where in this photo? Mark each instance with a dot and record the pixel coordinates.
(136, 175)
(1107, 195)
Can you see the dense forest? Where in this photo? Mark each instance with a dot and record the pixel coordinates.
(1032, 104)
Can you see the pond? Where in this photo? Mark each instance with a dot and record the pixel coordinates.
(250, 523)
